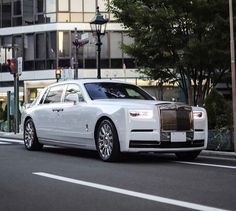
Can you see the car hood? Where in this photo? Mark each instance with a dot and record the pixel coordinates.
(130, 102)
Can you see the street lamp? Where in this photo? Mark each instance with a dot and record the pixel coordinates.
(98, 26)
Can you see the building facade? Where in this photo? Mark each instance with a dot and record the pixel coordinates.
(42, 32)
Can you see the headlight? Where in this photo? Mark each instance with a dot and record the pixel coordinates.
(198, 114)
(141, 114)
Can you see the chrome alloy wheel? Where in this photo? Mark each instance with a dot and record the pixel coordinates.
(105, 141)
(29, 134)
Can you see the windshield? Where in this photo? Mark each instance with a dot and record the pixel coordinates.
(108, 90)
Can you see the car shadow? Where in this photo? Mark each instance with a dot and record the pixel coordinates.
(127, 158)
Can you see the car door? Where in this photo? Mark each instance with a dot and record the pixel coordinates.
(75, 117)
(48, 114)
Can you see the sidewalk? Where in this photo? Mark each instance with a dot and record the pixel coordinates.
(11, 135)
(204, 152)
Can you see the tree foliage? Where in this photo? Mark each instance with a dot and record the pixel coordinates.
(179, 41)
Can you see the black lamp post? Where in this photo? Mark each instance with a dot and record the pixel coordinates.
(98, 26)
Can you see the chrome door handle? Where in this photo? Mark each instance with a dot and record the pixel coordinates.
(57, 109)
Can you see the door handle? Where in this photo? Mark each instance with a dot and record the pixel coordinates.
(57, 109)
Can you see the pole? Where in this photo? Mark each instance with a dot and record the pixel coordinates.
(76, 62)
(232, 53)
(8, 111)
(16, 103)
(99, 43)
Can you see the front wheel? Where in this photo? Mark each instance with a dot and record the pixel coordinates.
(30, 136)
(191, 155)
(107, 141)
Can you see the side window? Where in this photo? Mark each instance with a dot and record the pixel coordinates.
(54, 95)
(73, 94)
(133, 94)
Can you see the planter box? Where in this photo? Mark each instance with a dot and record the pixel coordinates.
(220, 141)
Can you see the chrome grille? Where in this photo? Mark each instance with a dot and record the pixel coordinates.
(176, 117)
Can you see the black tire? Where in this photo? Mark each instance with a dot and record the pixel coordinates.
(191, 155)
(107, 141)
(30, 136)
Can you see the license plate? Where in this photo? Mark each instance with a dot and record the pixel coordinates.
(178, 137)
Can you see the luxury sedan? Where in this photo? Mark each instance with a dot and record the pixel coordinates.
(113, 117)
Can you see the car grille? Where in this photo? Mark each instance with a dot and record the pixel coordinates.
(174, 118)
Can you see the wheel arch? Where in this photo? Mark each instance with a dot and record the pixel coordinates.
(98, 123)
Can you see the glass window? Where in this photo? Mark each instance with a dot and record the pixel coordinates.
(89, 6)
(51, 18)
(64, 44)
(51, 45)
(28, 12)
(73, 94)
(115, 90)
(17, 7)
(40, 46)
(50, 6)
(88, 17)
(76, 17)
(54, 95)
(76, 5)
(90, 48)
(39, 6)
(127, 40)
(63, 5)
(115, 45)
(64, 17)
(102, 5)
(18, 42)
(105, 46)
(29, 47)
(6, 14)
(17, 21)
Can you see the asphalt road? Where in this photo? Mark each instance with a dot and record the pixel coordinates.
(72, 179)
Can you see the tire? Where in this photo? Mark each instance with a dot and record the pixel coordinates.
(30, 136)
(187, 155)
(107, 142)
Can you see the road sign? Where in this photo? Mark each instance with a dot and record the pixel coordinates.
(19, 65)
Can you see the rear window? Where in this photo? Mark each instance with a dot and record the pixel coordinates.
(115, 91)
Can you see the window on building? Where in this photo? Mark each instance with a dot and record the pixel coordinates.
(51, 18)
(76, 17)
(29, 47)
(115, 50)
(63, 5)
(64, 44)
(63, 17)
(39, 6)
(51, 45)
(17, 7)
(18, 43)
(40, 46)
(50, 6)
(6, 13)
(76, 5)
(102, 5)
(28, 12)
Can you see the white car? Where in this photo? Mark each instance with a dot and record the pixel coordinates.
(113, 117)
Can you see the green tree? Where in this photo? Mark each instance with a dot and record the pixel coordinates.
(179, 41)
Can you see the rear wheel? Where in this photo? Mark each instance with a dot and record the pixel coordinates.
(107, 141)
(191, 155)
(30, 136)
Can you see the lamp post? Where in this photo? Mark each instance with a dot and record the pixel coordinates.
(98, 26)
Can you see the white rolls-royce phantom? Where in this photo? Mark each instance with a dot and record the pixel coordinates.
(113, 117)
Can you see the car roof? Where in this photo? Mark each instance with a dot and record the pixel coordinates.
(84, 81)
